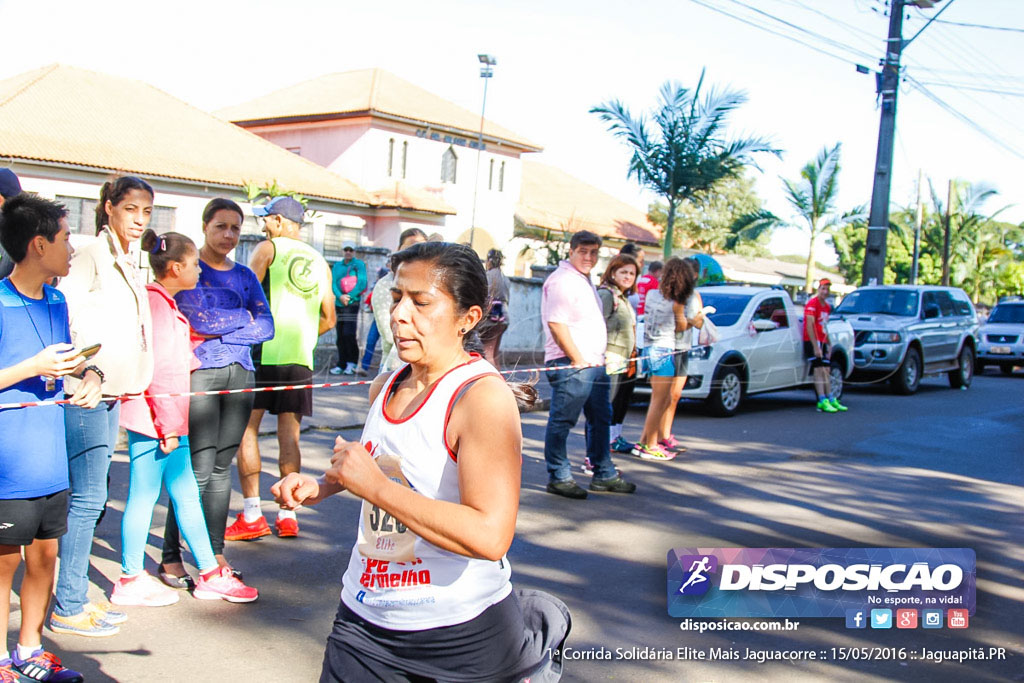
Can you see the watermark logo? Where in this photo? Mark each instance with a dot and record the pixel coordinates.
(696, 580)
(819, 582)
(881, 618)
(856, 618)
(956, 618)
(906, 618)
(931, 618)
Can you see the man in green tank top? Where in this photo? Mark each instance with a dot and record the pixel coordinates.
(297, 282)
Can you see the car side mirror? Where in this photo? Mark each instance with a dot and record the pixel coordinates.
(931, 311)
(764, 325)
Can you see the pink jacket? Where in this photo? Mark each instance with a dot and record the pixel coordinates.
(173, 363)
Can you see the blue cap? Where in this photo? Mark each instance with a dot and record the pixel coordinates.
(286, 207)
(9, 184)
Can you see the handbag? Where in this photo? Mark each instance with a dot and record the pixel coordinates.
(348, 283)
(708, 333)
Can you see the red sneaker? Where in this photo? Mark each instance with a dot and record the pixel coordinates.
(286, 528)
(242, 530)
(222, 584)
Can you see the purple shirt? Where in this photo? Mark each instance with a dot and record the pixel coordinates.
(230, 306)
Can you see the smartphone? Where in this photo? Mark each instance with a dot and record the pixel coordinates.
(90, 351)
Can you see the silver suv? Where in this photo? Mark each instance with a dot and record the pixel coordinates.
(904, 332)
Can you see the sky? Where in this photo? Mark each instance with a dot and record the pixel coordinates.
(556, 60)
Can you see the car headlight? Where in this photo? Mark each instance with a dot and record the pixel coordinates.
(880, 337)
(700, 352)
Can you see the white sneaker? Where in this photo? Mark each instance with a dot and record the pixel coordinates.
(336, 370)
(142, 591)
(350, 369)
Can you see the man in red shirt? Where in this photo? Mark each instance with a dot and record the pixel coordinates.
(647, 283)
(818, 350)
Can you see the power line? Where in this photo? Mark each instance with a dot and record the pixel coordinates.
(801, 29)
(972, 88)
(984, 26)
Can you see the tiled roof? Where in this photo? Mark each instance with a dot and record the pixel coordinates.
(370, 91)
(552, 199)
(401, 195)
(68, 115)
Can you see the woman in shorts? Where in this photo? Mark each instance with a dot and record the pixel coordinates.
(427, 591)
(671, 311)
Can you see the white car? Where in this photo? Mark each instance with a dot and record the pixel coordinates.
(1001, 338)
(760, 348)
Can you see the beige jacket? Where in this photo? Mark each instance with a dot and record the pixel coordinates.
(108, 305)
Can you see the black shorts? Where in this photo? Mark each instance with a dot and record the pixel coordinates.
(298, 401)
(23, 520)
(816, 362)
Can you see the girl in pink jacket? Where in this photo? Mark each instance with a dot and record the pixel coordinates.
(158, 441)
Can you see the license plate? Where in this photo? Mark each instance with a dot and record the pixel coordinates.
(1000, 350)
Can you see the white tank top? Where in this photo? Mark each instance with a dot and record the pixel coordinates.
(395, 579)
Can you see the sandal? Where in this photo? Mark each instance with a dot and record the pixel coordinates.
(183, 583)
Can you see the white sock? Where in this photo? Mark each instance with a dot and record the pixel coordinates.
(5, 655)
(615, 432)
(26, 651)
(251, 509)
(285, 514)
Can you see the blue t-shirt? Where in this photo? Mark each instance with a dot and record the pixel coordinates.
(33, 455)
(230, 306)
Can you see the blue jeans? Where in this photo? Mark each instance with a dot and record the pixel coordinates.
(91, 437)
(573, 390)
(372, 337)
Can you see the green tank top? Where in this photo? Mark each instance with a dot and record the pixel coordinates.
(295, 283)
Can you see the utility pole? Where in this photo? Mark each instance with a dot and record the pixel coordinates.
(945, 241)
(878, 218)
(918, 220)
(487, 63)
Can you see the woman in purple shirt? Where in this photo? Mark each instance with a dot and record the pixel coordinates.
(228, 309)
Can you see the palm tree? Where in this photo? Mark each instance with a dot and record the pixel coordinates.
(683, 149)
(814, 199)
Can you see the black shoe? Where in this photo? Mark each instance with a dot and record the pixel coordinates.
(568, 488)
(613, 485)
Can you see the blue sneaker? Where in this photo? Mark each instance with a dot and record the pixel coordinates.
(45, 666)
(8, 674)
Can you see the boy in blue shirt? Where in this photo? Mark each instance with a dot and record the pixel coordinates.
(36, 355)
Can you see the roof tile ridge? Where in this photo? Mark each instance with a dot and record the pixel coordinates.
(44, 72)
(371, 104)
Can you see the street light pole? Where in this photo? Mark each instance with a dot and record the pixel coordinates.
(487, 63)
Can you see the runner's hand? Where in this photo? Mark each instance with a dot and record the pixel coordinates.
(296, 490)
(168, 444)
(354, 468)
(57, 360)
(88, 393)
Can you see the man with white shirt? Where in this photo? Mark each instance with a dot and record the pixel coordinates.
(575, 335)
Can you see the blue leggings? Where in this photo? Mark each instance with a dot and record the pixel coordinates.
(150, 468)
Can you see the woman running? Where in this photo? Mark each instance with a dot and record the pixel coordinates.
(107, 305)
(158, 447)
(427, 591)
(670, 313)
(229, 310)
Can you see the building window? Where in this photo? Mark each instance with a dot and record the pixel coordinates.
(81, 214)
(449, 166)
(405, 156)
(501, 178)
(163, 219)
(335, 236)
(490, 175)
(391, 156)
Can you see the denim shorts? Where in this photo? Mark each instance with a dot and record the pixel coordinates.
(663, 362)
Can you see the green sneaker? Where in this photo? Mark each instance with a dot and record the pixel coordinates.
(837, 405)
(825, 406)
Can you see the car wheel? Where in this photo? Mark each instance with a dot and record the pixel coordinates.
(964, 373)
(908, 376)
(726, 392)
(835, 380)
(1006, 369)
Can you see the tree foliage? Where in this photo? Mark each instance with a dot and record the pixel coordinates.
(682, 147)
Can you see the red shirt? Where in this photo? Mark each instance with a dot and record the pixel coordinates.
(645, 284)
(820, 310)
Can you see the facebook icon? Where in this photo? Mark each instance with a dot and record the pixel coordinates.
(856, 618)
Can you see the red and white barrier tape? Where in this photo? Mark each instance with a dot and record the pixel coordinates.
(284, 387)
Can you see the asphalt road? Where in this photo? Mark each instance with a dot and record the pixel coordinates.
(942, 468)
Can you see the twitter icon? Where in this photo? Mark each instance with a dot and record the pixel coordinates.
(881, 618)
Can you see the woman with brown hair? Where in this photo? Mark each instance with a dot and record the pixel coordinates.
(495, 321)
(670, 313)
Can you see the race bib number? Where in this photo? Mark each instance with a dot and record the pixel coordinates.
(384, 537)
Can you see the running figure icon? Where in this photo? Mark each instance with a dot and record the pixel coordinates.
(697, 571)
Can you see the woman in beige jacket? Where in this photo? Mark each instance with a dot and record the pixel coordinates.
(108, 305)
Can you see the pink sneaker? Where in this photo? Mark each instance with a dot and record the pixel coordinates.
(671, 444)
(223, 585)
(142, 591)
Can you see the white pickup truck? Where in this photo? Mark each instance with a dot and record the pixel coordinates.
(760, 348)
